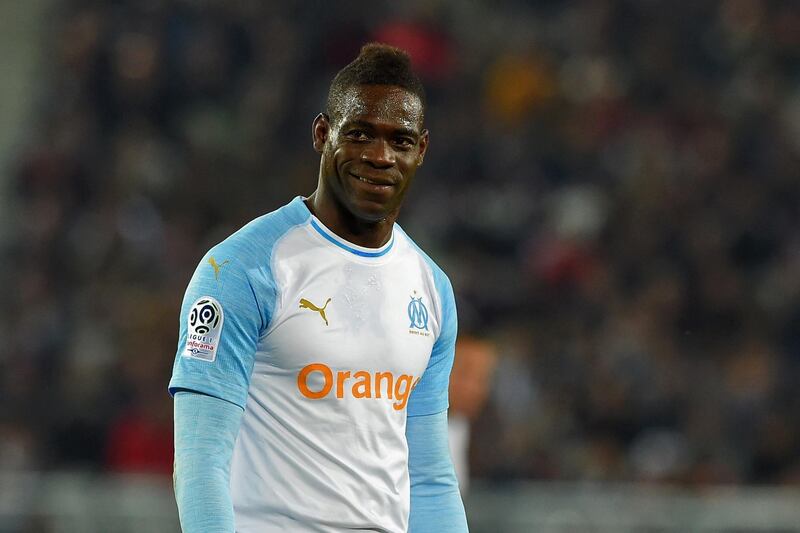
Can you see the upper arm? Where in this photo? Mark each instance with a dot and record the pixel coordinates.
(221, 321)
(430, 394)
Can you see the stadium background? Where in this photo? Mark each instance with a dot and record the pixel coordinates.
(613, 187)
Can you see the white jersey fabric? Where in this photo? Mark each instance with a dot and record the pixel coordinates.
(328, 347)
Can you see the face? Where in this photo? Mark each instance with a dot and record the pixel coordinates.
(370, 154)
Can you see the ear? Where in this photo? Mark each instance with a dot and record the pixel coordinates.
(320, 129)
(423, 146)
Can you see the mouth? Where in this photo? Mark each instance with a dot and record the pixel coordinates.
(373, 184)
(373, 181)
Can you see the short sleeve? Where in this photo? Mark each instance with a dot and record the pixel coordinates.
(430, 394)
(220, 324)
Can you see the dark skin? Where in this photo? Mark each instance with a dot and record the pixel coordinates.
(368, 159)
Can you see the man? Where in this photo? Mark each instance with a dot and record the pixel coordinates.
(316, 342)
(470, 384)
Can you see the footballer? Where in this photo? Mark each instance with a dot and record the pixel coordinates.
(310, 383)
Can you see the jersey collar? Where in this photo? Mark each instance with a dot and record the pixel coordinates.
(360, 251)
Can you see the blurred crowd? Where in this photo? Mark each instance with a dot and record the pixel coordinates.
(613, 187)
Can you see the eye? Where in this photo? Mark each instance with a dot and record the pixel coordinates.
(404, 143)
(357, 135)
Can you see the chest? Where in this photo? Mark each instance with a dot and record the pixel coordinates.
(351, 317)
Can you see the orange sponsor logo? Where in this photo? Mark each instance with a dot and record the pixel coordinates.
(360, 384)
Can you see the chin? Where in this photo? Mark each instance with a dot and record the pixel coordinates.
(366, 208)
(370, 215)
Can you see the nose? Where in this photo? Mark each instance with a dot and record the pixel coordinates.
(379, 154)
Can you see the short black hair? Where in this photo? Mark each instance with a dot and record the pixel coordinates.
(376, 64)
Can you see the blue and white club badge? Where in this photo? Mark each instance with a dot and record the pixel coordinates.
(204, 326)
(417, 314)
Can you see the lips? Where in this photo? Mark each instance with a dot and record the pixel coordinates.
(374, 186)
(374, 180)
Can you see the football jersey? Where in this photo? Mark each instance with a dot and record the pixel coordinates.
(327, 346)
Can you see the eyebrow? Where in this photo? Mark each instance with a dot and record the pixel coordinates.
(364, 124)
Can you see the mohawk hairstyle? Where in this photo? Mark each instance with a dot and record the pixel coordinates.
(376, 64)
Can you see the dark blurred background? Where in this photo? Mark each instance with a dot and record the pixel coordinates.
(613, 187)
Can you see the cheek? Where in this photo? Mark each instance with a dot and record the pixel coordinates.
(408, 167)
(335, 158)
(343, 156)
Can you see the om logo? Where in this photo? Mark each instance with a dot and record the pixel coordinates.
(418, 314)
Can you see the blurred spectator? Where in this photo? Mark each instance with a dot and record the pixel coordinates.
(470, 381)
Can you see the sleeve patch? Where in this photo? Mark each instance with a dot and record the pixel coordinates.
(204, 326)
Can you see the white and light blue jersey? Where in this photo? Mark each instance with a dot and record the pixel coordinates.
(328, 346)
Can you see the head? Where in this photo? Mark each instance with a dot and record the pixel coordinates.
(371, 138)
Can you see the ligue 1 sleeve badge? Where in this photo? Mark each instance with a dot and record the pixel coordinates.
(204, 325)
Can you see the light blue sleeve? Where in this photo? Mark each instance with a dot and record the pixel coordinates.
(430, 395)
(205, 433)
(234, 300)
(436, 505)
(232, 295)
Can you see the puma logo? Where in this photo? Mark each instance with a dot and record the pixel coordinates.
(217, 267)
(305, 304)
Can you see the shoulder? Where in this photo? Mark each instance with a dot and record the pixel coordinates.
(438, 274)
(253, 243)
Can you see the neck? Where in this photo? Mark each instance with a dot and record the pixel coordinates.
(370, 234)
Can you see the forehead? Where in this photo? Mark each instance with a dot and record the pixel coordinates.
(381, 103)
